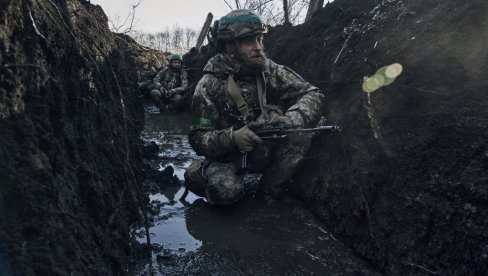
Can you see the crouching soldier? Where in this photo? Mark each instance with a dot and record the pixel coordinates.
(240, 89)
(170, 86)
(145, 75)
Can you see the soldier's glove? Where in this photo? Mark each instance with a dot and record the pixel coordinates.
(156, 84)
(164, 92)
(245, 139)
(170, 93)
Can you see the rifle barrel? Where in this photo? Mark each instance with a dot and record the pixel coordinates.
(315, 129)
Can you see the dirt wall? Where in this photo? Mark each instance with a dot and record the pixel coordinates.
(69, 145)
(404, 184)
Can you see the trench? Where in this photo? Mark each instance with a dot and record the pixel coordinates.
(191, 237)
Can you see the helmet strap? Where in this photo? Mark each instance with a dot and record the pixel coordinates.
(238, 47)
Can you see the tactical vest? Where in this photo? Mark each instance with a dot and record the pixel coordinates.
(250, 98)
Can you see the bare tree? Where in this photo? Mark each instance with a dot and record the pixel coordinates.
(292, 11)
(285, 11)
(189, 37)
(139, 36)
(151, 40)
(167, 42)
(313, 7)
(265, 8)
(297, 10)
(126, 25)
(256, 5)
(161, 38)
(177, 37)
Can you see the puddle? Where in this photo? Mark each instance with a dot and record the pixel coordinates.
(169, 229)
(248, 238)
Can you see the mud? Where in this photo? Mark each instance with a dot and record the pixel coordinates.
(70, 162)
(191, 237)
(403, 186)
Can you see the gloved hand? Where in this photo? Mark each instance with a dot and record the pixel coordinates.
(156, 84)
(245, 139)
(169, 93)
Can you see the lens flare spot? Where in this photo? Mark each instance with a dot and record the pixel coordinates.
(366, 88)
(371, 84)
(394, 70)
(383, 77)
(386, 79)
(379, 80)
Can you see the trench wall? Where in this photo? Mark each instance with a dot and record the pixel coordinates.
(70, 120)
(404, 184)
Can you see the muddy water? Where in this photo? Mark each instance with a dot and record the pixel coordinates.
(249, 238)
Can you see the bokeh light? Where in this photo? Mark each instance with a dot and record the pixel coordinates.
(383, 77)
(393, 70)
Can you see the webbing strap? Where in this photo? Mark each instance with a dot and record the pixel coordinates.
(235, 94)
(261, 96)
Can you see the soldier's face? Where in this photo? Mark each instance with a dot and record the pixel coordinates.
(176, 64)
(252, 54)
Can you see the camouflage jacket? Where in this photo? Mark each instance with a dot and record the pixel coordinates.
(215, 113)
(145, 75)
(172, 80)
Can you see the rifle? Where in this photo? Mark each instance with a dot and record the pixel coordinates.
(276, 131)
(272, 131)
(281, 130)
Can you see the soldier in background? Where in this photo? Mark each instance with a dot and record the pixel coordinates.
(145, 75)
(241, 85)
(170, 86)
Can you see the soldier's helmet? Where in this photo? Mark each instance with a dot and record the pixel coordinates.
(140, 60)
(240, 23)
(175, 57)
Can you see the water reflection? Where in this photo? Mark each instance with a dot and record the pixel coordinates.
(280, 239)
(168, 232)
(170, 133)
(248, 238)
(220, 228)
(169, 229)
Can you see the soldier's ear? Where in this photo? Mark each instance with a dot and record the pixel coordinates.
(230, 48)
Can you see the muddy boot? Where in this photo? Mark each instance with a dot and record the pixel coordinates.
(175, 103)
(195, 180)
(156, 97)
(224, 186)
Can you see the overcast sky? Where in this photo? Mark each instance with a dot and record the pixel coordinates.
(156, 15)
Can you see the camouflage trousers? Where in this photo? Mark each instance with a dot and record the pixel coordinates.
(174, 102)
(221, 183)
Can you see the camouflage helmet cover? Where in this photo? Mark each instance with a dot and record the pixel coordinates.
(240, 23)
(140, 60)
(175, 57)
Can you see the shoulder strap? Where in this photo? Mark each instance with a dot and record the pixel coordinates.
(261, 94)
(235, 94)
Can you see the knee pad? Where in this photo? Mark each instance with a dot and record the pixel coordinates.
(224, 186)
(155, 93)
